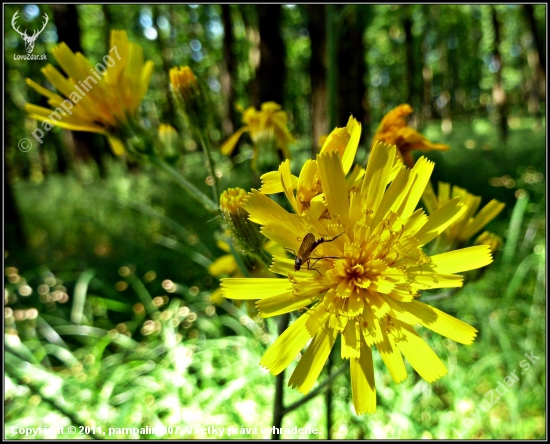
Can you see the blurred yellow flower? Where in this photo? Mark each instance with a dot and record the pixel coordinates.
(169, 139)
(183, 80)
(100, 99)
(394, 130)
(467, 225)
(370, 271)
(267, 127)
(491, 239)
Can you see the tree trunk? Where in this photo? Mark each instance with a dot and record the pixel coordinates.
(409, 50)
(537, 38)
(86, 145)
(230, 120)
(352, 64)
(427, 72)
(499, 95)
(268, 83)
(318, 74)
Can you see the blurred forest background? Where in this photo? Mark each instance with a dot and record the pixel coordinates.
(108, 314)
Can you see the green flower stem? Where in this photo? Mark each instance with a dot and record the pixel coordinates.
(193, 191)
(208, 151)
(322, 386)
(278, 404)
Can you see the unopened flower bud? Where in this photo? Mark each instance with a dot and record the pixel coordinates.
(168, 137)
(245, 233)
(188, 96)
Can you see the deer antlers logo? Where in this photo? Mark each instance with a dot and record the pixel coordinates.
(29, 40)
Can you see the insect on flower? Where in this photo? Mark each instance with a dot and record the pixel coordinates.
(306, 249)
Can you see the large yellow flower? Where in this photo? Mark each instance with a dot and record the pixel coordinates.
(267, 127)
(394, 130)
(367, 290)
(98, 99)
(469, 223)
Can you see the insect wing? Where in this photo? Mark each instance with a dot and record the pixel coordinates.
(307, 246)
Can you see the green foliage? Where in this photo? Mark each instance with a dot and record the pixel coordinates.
(108, 313)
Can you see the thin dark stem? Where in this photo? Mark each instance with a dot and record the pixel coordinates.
(328, 396)
(208, 152)
(437, 297)
(318, 390)
(278, 406)
(193, 191)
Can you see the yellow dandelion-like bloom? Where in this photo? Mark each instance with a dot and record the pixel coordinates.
(365, 283)
(97, 99)
(469, 223)
(306, 191)
(267, 126)
(394, 130)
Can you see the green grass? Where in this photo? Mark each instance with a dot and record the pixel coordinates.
(118, 330)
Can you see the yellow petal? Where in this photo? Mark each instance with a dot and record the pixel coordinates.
(271, 183)
(223, 266)
(318, 317)
(351, 339)
(362, 382)
(334, 187)
(442, 323)
(429, 279)
(229, 145)
(420, 173)
(457, 261)
(263, 210)
(284, 303)
(254, 288)
(429, 198)
(308, 369)
(116, 145)
(394, 195)
(392, 358)
(374, 184)
(288, 185)
(287, 346)
(371, 327)
(440, 220)
(354, 130)
(486, 215)
(417, 312)
(421, 357)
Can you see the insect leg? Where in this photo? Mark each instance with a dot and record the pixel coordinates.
(309, 266)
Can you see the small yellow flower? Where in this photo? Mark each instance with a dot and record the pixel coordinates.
(93, 101)
(367, 281)
(394, 130)
(267, 128)
(467, 225)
